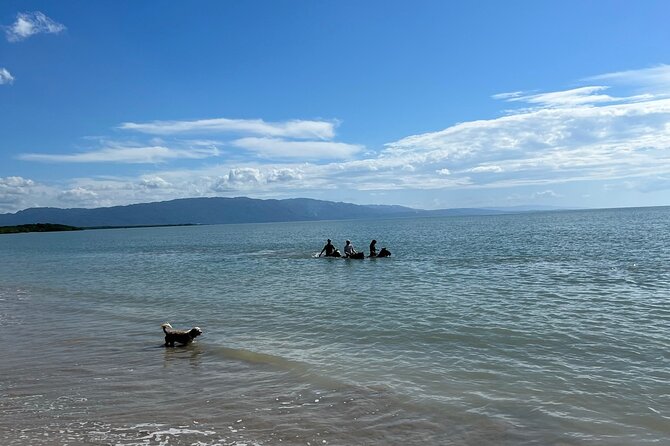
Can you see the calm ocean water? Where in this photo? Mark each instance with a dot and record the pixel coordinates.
(538, 329)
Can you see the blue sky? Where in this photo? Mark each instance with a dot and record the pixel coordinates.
(429, 104)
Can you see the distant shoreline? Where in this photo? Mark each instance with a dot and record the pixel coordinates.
(52, 227)
(37, 227)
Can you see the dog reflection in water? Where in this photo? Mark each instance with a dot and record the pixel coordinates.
(179, 336)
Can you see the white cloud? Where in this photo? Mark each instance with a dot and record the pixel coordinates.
(508, 96)
(567, 98)
(287, 129)
(545, 194)
(127, 155)
(283, 175)
(486, 169)
(549, 145)
(290, 144)
(30, 23)
(16, 193)
(154, 182)
(78, 195)
(5, 77)
(655, 78)
(239, 179)
(308, 150)
(13, 185)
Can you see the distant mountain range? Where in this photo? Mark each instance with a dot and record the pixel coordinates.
(221, 211)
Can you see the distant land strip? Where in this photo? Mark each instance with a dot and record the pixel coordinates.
(51, 227)
(37, 227)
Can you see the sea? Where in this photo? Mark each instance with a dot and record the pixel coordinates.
(548, 328)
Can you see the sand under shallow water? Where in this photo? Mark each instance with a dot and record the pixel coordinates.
(126, 388)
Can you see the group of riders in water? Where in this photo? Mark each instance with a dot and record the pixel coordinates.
(351, 253)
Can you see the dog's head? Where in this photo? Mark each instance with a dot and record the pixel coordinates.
(195, 332)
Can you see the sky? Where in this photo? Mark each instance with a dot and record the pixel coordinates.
(427, 104)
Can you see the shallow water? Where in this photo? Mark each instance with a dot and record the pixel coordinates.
(547, 329)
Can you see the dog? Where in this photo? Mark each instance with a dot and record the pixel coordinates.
(180, 336)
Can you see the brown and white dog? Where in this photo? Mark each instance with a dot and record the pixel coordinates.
(180, 336)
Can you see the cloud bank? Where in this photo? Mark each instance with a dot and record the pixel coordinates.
(615, 135)
(296, 139)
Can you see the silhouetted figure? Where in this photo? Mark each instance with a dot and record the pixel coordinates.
(373, 248)
(329, 250)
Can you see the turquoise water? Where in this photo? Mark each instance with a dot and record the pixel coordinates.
(546, 328)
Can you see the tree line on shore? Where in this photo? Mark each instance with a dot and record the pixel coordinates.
(37, 227)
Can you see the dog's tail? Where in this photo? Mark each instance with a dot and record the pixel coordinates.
(165, 326)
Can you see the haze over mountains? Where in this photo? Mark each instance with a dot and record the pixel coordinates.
(220, 211)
